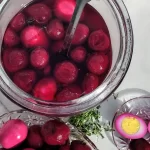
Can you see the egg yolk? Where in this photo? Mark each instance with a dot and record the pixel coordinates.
(130, 125)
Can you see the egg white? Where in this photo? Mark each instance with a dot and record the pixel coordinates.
(140, 134)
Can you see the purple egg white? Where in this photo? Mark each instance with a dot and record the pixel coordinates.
(13, 133)
(140, 134)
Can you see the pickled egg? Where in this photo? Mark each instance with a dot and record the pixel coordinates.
(130, 126)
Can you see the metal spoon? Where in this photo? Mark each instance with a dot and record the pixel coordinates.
(74, 22)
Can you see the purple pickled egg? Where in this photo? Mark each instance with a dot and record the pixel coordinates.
(12, 133)
(130, 126)
(34, 137)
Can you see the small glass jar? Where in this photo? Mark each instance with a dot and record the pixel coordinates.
(120, 28)
(31, 119)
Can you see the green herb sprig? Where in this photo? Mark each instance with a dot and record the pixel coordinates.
(89, 123)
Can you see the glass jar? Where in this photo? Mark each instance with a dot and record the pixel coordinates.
(120, 28)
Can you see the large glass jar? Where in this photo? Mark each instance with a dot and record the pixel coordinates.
(120, 28)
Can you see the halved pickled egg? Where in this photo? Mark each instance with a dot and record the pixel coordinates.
(130, 126)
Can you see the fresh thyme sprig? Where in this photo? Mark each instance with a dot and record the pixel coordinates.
(89, 123)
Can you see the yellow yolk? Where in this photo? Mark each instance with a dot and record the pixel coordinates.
(130, 125)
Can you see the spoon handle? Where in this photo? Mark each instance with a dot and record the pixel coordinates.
(74, 22)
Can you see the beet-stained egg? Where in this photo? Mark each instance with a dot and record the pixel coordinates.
(130, 126)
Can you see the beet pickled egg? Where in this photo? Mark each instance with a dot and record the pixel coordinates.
(13, 133)
(130, 126)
